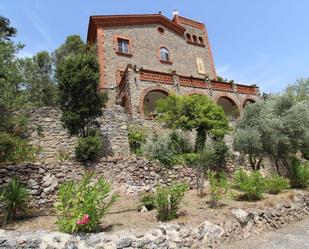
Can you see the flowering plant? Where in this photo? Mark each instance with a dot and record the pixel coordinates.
(82, 204)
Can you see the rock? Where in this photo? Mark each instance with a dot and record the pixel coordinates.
(93, 240)
(241, 215)
(143, 209)
(142, 242)
(123, 242)
(71, 245)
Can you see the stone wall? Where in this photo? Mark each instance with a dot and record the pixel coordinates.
(126, 175)
(241, 225)
(55, 143)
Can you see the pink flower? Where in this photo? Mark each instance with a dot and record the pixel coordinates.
(84, 220)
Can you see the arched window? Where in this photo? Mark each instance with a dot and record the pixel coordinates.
(164, 54)
(201, 40)
(188, 37)
(194, 38)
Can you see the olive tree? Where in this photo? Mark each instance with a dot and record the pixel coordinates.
(196, 113)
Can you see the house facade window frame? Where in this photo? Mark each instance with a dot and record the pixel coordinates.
(164, 55)
(120, 49)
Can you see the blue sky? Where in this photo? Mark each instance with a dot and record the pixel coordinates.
(259, 41)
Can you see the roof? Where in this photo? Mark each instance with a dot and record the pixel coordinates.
(124, 20)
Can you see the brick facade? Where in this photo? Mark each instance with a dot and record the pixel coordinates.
(128, 77)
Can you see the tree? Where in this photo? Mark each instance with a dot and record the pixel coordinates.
(37, 76)
(276, 127)
(299, 90)
(6, 31)
(195, 112)
(13, 147)
(72, 45)
(80, 100)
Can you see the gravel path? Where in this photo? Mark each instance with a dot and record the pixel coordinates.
(295, 236)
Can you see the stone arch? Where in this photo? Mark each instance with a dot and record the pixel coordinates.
(229, 106)
(146, 106)
(248, 100)
(195, 92)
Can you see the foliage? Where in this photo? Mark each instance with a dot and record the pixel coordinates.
(167, 200)
(252, 185)
(15, 198)
(73, 45)
(218, 186)
(275, 184)
(193, 112)
(222, 79)
(147, 199)
(299, 90)
(166, 146)
(6, 31)
(298, 173)
(38, 81)
(275, 127)
(82, 204)
(137, 137)
(14, 149)
(88, 148)
(80, 100)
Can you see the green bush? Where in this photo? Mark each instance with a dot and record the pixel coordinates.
(15, 198)
(88, 148)
(298, 173)
(166, 147)
(167, 200)
(218, 186)
(252, 185)
(275, 184)
(14, 149)
(137, 137)
(147, 200)
(82, 204)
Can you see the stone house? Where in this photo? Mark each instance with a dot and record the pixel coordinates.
(145, 57)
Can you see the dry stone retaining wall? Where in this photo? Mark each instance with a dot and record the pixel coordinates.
(243, 224)
(55, 143)
(126, 175)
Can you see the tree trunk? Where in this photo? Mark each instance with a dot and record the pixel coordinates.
(200, 139)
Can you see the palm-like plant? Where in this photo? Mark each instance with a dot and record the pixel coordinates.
(15, 198)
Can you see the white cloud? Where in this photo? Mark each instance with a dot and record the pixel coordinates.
(39, 25)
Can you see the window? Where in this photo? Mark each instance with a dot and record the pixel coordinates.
(201, 40)
(123, 46)
(164, 54)
(161, 30)
(195, 39)
(188, 37)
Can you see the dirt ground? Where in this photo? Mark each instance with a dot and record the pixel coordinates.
(125, 215)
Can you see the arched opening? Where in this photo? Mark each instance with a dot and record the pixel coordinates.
(201, 40)
(164, 54)
(248, 101)
(188, 37)
(125, 104)
(194, 38)
(229, 107)
(149, 102)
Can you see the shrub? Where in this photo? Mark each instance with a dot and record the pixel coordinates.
(252, 185)
(275, 183)
(218, 186)
(15, 198)
(298, 173)
(88, 148)
(158, 147)
(147, 200)
(14, 149)
(167, 200)
(179, 142)
(82, 204)
(137, 137)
